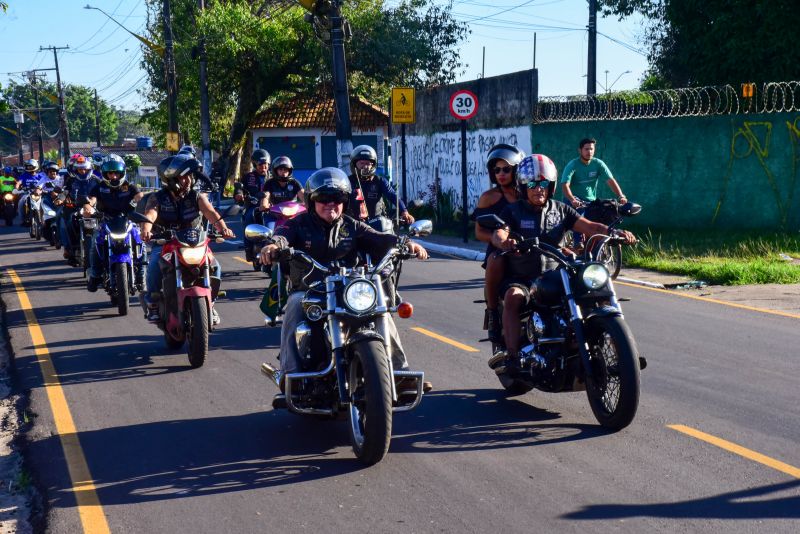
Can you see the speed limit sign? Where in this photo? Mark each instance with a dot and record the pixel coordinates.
(463, 104)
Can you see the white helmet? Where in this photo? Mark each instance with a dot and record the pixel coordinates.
(537, 167)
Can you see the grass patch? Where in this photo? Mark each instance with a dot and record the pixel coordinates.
(717, 257)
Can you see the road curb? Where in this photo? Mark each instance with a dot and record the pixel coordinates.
(474, 255)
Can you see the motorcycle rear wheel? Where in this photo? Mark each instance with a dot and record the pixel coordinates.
(370, 401)
(197, 333)
(121, 279)
(613, 389)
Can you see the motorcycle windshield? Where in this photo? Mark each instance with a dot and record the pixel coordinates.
(117, 225)
(190, 237)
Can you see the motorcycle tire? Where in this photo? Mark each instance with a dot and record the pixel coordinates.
(370, 392)
(613, 388)
(197, 333)
(37, 233)
(123, 293)
(10, 221)
(611, 257)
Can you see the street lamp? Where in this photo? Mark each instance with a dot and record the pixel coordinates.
(147, 42)
(607, 88)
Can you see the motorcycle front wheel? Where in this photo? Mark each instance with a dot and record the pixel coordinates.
(123, 294)
(370, 401)
(613, 387)
(611, 257)
(197, 333)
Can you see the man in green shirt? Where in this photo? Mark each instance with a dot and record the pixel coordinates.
(7, 180)
(580, 176)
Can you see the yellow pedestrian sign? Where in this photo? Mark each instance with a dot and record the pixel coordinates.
(173, 141)
(403, 105)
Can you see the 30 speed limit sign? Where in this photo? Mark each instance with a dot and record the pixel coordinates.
(463, 104)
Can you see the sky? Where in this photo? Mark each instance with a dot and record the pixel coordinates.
(104, 56)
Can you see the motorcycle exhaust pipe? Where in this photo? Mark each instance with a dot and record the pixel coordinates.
(276, 375)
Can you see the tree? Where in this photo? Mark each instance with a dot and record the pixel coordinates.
(130, 124)
(273, 53)
(715, 42)
(79, 101)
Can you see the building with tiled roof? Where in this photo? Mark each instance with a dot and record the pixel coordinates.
(304, 128)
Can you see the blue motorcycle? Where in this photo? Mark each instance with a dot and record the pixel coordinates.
(122, 256)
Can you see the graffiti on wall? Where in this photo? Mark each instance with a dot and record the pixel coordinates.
(439, 154)
(753, 139)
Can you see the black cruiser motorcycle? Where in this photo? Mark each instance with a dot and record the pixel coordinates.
(573, 333)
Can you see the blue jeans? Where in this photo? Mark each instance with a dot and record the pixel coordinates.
(154, 277)
(577, 237)
(250, 216)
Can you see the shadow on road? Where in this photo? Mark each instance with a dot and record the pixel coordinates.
(453, 285)
(754, 503)
(189, 458)
(480, 419)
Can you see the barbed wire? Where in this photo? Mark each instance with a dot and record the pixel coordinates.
(772, 97)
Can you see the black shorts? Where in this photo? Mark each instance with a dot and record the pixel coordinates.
(522, 283)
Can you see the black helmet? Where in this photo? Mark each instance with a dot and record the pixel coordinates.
(113, 163)
(50, 166)
(188, 149)
(173, 167)
(261, 156)
(328, 181)
(283, 161)
(363, 153)
(509, 153)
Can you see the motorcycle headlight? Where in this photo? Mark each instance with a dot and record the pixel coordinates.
(360, 296)
(118, 237)
(594, 276)
(193, 255)
(50, 213)
(8, 196)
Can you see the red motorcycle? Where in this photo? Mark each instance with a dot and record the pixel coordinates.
(189, 289)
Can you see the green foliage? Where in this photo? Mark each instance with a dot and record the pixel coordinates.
(79, 101)
(130, 124)
(716, 42)
(257, 51)
(51, 155)
(727, 258)
(132, 162)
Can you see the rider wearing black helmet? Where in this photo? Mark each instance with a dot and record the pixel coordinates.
(326, 234)
(252, 186)
(176, 206)
(76, 188)
(369, 190)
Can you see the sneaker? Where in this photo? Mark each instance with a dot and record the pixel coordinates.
(152, 314)
(215, 318)
(92, 283)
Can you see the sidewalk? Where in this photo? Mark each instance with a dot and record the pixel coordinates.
(784, 299)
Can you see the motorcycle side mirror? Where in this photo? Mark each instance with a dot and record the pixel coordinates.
(490, 222)
(232, 210)
(137, 217)
(629, 209)
(257, 233)
(421, 228)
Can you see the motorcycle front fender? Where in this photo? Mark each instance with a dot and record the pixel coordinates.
(603, 311)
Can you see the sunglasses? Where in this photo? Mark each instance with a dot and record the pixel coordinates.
(330, 199)
(505, 170)
(533, 184)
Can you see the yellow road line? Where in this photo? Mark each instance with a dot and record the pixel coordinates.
(443, 339)
(91, 512)
(237, 258)
(738, 449)
(715, 301)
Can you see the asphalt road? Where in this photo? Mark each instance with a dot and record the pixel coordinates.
(171, 449)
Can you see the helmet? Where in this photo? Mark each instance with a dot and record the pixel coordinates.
(7, 170)
(50, 166)
(328, 181)
(188, 149)
(537, 167)
(173, 167)
(363, 153)
(113, 163)
(260, 156)
(81, 163)
(97, 160)
(509, 153)
(283, 161)
(31, 165)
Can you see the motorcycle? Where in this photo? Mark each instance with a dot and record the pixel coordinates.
(83, 228)
(609, 212)
(186, 300)
(120, 247)
(573, 334)
(277, 216)
(9, 209)
(345, 348)
(49, 226)
(34, 213)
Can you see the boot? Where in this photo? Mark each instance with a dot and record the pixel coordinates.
(494, 326)
(92, 283)
(139, 276)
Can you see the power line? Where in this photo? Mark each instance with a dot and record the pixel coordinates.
(77, 48)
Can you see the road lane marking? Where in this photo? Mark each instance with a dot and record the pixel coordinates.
(714, 301)
(237, 258)
(443, 339)
(90, 510)
(738, 449)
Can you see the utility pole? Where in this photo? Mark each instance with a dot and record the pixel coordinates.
(62, 111)
(96, 118)
(205, 115)
(19, 119)
(591, 62)
(344, 132)
(169, 65)
(32, 78)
